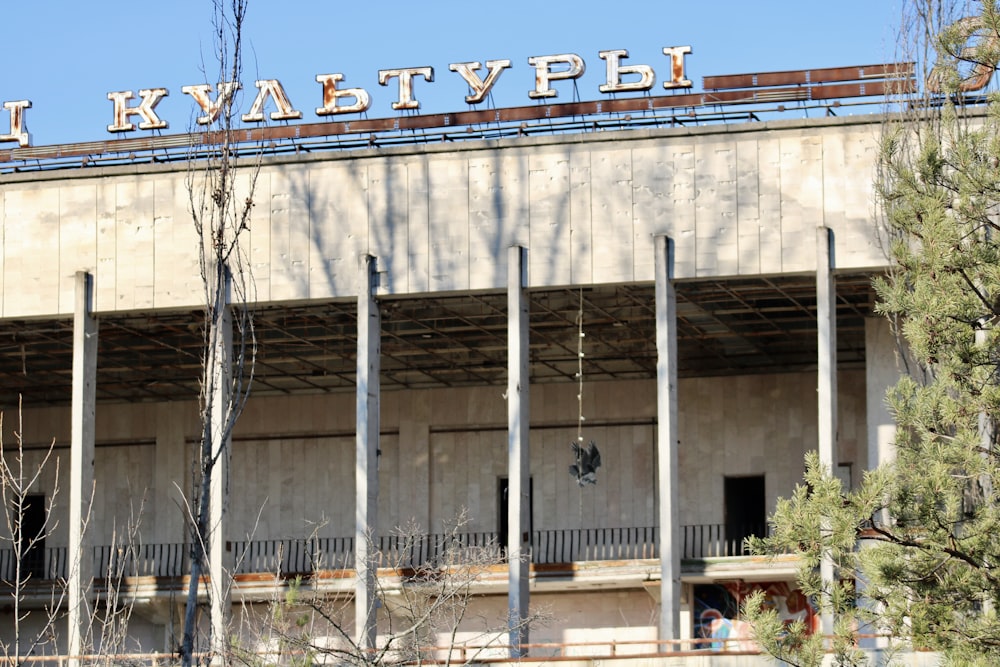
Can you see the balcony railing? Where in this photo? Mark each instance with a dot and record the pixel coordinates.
(712, 540)
(304, 556)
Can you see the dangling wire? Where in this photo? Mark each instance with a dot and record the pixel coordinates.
(588, 459)
(579, 372)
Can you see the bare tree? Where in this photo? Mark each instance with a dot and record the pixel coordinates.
(112, 610)
(220, 202)
(34, 578)
(20, 478)
(427, 588)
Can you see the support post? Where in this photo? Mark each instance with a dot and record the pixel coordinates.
(366, 457)
(882, 370)
(81, 480)
(826, 328)
(518, 423)
(172, 483)
(666, 439)
(220, 412)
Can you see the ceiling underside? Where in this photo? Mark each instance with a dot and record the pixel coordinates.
(724, 327)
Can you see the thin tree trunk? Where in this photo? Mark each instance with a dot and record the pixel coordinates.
(200, 539)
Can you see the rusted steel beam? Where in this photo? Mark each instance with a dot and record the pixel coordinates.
(810, 76)
(866, 89)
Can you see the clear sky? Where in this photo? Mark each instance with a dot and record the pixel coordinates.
(65, 56)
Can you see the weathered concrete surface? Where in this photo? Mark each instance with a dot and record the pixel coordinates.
(737, 200)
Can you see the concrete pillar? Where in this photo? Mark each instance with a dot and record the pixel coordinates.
(171, 484)
(221, 365)
(882, 370)
(415, 448)
(666, 440)
(170, 493)
(826, 331)
(367, 449)
(518, 472)
(81, 475)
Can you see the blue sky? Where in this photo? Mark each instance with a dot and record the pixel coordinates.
(66, 56)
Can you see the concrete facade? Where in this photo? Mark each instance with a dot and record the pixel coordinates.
(293, 458)
(736, 201)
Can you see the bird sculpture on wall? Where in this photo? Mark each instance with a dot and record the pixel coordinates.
(588, 460)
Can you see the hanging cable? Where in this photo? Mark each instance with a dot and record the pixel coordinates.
(579, 372)
(588, 459)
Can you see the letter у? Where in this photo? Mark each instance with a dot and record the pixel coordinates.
(18, 128)
(544, 74)
(146, 109)
(211, 109)
(480, 88)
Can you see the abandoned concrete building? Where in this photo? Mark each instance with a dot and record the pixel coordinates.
(688, 288)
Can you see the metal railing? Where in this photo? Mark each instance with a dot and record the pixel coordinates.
(306, 555)
(141, 560)
(291, 556)
(305, 138)
(42, 564)
(587, 544)
(713, 540)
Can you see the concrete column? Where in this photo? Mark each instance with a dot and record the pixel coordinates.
(882, 370)
(826, 329)
(170, 492)
(518, 471)
(367, 449)
(221, 363)
(415, 448)
(81, 475)
(666, 439)
(171, 484)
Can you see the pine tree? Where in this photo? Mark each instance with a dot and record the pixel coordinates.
(921, 535)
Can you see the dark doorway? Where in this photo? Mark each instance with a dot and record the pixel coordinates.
(745, 512)
(503, 522)
(32, 539)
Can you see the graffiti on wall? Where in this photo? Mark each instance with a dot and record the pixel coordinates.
(717, 611)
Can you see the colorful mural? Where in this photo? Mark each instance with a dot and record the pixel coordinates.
(717, 611)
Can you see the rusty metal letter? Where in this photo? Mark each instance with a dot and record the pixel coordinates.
(544, 74)
(271, 88)
(969, 27)
(677, 77)
(18, 129)
(200, 93)
(146, 109)
(480, 88)
(405, 75)
(332, 96)
(615, 71)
